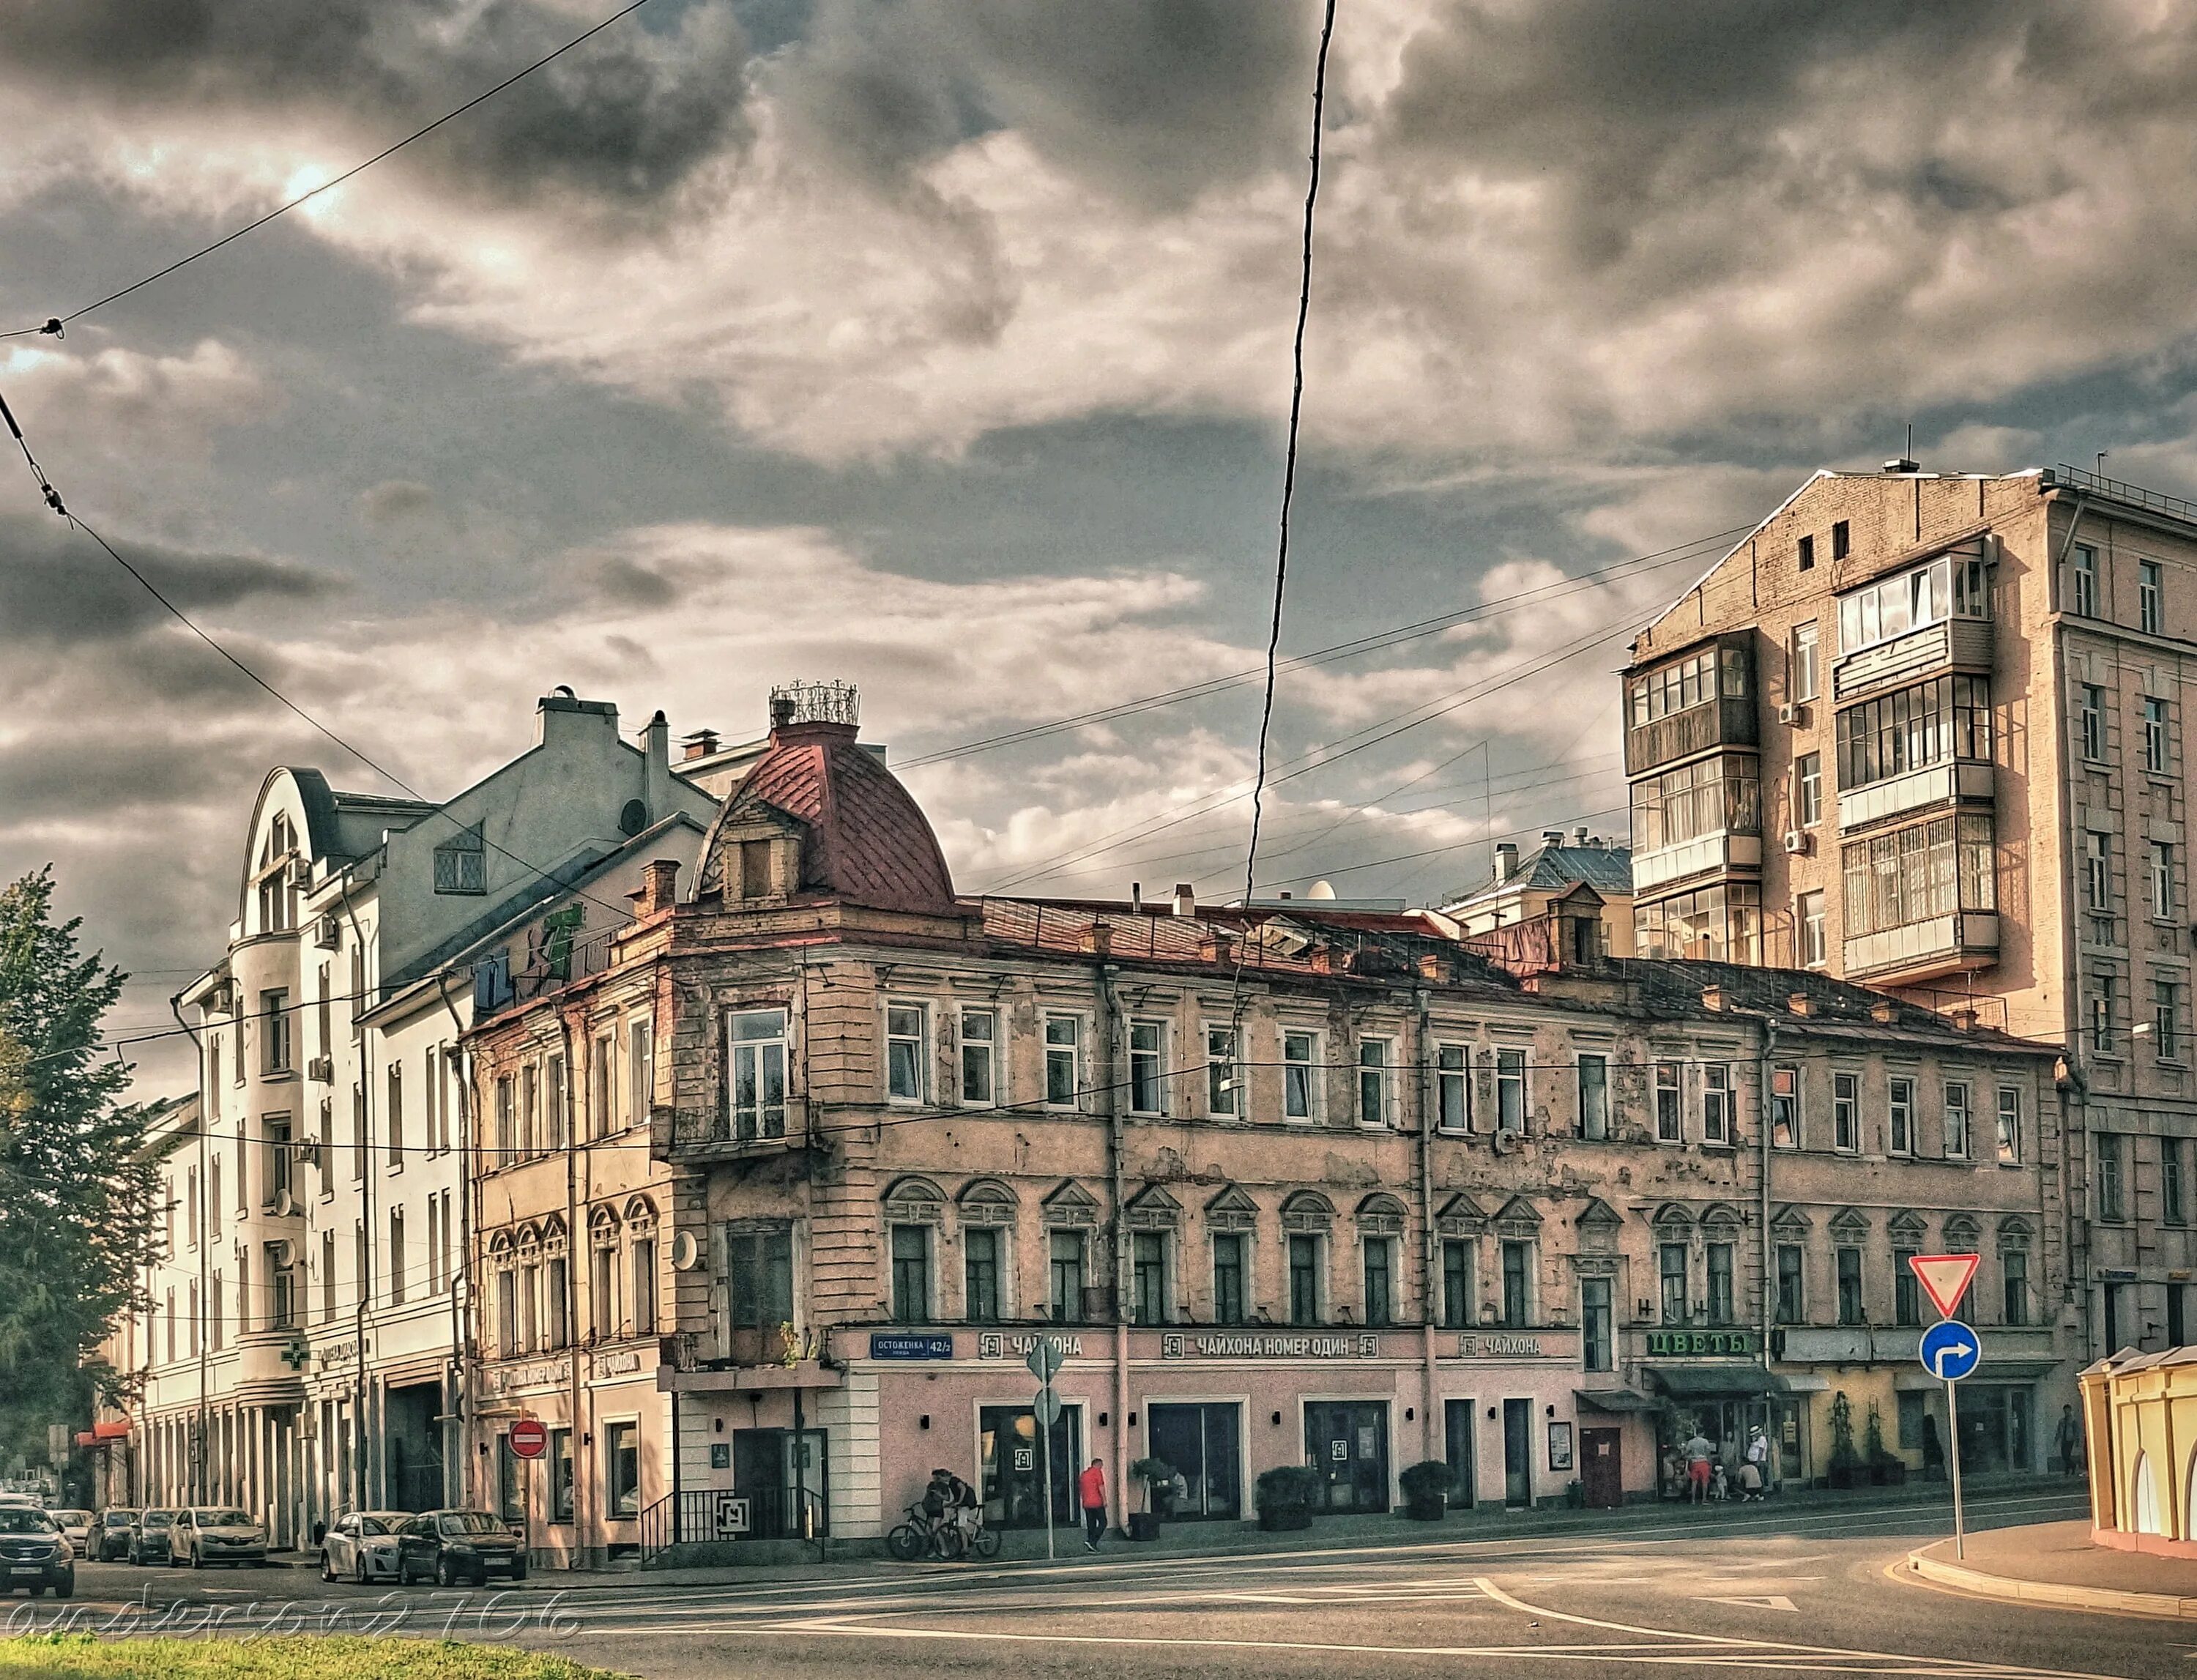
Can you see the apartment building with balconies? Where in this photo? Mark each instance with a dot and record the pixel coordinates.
(1923, 731)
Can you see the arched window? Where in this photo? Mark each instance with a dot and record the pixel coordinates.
(986, 1201)
(2150, 1520)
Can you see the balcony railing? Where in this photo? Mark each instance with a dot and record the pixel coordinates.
(1918, 789)
(2135, 495)
(1722, 722)
(1941, 945)
(1719, 849)
(1950, 645)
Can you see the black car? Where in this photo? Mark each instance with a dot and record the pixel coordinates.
(448, 1547)
(149, 1536)
(109, 1540)
(34, 1553)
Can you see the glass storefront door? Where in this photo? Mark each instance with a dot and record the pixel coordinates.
(782, 1475)
(1009, 1445)
(1994, 1428)
(1457, 1440)
(1202, 1442)
(1346, 1442)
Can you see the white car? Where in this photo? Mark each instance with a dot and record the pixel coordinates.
(76, 1525)
(361, 1546)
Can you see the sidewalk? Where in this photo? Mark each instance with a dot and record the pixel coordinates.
(2054, 1563)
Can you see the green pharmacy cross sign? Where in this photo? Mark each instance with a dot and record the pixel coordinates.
(1701, 1344)
(295, 1353)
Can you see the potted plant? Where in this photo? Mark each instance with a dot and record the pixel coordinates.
(1426, 1487)
(1846, 1466)
(1285, 1496)
(1158, 1477)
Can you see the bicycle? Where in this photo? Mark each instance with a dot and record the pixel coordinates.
(919, 1536)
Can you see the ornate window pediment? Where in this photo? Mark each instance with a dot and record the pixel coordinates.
(1460, 1216)
(1673, 1221)
(1721, 1221)
(1152, 1209)
(2015, 1232)
(914, 1200)
(986, 1201)
(1961, 1232)
(1231, 1210)
(1907, 1228)
(1850, 1224)
(1308, 1211)
(1518, 1218)
(1381, 1214)
(1071, 1207)
(1789, 1221)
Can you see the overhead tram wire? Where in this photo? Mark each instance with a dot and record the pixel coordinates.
(53, 325)
(1290, 463)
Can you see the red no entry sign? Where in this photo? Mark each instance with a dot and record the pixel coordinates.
(529, 1439)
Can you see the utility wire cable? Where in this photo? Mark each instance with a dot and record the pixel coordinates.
(54, 327)
(1289, 458)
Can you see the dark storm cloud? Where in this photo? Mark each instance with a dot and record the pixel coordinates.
(625, 117)
(1153, 101)
(57, 589)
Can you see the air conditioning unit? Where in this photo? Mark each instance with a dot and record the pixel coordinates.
(301, 872)
(220, 997)
(1799, 841)
(321, 1069)
(1794, 714)
(327, 932)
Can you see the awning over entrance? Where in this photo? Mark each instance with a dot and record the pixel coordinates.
(1612, 1399)
(1706, 1382)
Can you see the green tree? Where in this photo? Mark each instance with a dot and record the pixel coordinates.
(76, 1194)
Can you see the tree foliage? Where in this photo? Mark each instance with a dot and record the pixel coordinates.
(76, 1216)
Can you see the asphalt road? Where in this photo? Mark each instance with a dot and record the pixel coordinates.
(1758, 1590)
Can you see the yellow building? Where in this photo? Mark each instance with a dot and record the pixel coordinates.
(2140, 1418)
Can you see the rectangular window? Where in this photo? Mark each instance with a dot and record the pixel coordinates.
(622, 1465)
(2090, 715)
(1846, 1112)
(1670, 1123)
(506, 1312)
(643, 1286)
(904, 1036)
(1457, 1304)
(1062, 1078)
(1228, 1278)
(1720, 924)
(759, 1282)
(554, 1276)
(1300, 1075)
(2166, 1020)
(1808, 789)
(1453, 1088)
(2155, 758)
(1148, 1277)
(1510, 1090)
(2104, 1032)
(979, 1050)
(2173, 1195)
(602, 1293)
(561, 1475)
(1935, 722)
(529, 1108)
(1804, 553)
(1304, 1279)
(328, 1276)
(755, 1080)
(2150, 597)
(911, 1274)
(1720, 1290)
(397, 1257)
(639, 1070)
(1594, 1096)
(2098, 872)
(2014, 1278)
(1850, 1310)
(979, 1274)
(1717, 796)
(1792, 1293)
(1716, 1104)
(275, 1031)
(1906, 1289)
(1900, 1115)
(358, 1155)
(1841, 540)
(1517, 1284)
(1785, 1107)
(602, 1085)
(2009, 1126)
(1595, 1349)
(1815, 939)
(461, 863)
(2162, 881)
(1224, 1080)
(1956, 1120)
(1147, 1067)
(557, 1104)
(1804, 660)
(1671, 1273)
(1373, 1081)
(2083, 579)
(1065, 1253)
(1380, 1272)
(2111, 1153)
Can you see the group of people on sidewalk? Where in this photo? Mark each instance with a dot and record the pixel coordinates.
(1707, 1478)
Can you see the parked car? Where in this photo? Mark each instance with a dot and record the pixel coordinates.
(76, 1526)
(362, 1546)
(110, 1535)
(204, 1534)
(148, 1536)
(447, 1547)
(34, 1553)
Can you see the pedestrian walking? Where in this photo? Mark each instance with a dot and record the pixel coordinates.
(1698, 1454)
(1091, 1493)
(2069, 1440)
(1755, 1474)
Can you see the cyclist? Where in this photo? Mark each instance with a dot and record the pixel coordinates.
(950, 1500)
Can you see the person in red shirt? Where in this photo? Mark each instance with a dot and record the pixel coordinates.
(1091, 1491)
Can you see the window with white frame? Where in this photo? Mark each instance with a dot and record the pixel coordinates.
(2009, 1126)
(1301, 1082)
(904, 1060)
(1670, 1116)
(2155, 746)
(2090, 721)
(1958, 1119)
(1846, 1112)
(639, 1068)
(1373, 1059)
(1815, 937)
(755, 1078)
(1900, 1114)
(1716, 1104)
(980, 1030)
(1808, 789)
(1064, 1036)
(2162, 881)
(2165, 1018)
(1805, 657)
(1593, 1070)
(1510, 1090)
(1224, 1080)
(2098, 871)
(2083, 592)
(1148, 1067)
(2150, 597)
(1453, 1088)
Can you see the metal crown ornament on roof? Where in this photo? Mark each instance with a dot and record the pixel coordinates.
(815, 703)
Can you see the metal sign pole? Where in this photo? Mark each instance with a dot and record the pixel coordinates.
(1045, 1446)
(1953, 1458)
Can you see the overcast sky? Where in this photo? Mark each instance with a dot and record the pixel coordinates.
(942, 345)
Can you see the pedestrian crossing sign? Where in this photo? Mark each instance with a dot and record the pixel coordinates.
(1944, 1278)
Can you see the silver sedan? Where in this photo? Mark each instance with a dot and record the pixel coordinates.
(361, 1546)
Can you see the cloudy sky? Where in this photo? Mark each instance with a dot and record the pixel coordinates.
(942, 345)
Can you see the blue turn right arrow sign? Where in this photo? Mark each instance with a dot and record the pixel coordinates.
(1950, 1351)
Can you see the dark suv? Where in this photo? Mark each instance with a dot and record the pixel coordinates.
(110, 1539)
(34, 1553)
(149, 1535)
(447, 1547)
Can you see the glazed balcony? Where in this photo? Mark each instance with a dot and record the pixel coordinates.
(1948, 784)
(1696, 703)
(1948, 944)
(1718, 852)
(1683, 734)
(1950, 645)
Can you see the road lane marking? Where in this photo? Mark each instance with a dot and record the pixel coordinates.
(1766, 1600)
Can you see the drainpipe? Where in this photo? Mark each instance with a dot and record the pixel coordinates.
(1109, 1035)
(206, 1236)
(1766, 1108)
(357, 1489)
(569, 1113)
(2071, 1011)
(1430, 1427)
(461, 1275)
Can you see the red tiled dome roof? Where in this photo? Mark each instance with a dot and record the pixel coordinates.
(864, 840)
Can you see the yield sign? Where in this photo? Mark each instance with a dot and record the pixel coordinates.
(1944, 1278)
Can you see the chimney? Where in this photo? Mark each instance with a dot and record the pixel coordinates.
(1800, 1003)
(1216, 947)
(1902, 464)
(1578, 836)
(1506, 861)
(1883, 1013)
(1186, 898)
(561, 714)
(1136, 898)
(700, 744)
(1098, 939)
(1552, 836)
(659, 885)
(782, 712)
(656, 791)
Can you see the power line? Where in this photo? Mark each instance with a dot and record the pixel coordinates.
(1434, 851)
(54, 326)
(1289, 458)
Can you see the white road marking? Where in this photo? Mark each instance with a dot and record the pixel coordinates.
(1767, 1601)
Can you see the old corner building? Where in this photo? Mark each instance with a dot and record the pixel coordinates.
(785, 1181)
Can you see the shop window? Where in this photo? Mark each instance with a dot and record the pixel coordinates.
(561, 1475)
(622, 1469)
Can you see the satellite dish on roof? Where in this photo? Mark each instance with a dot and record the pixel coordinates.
(1321, 890)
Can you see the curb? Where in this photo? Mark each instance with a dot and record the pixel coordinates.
(2057, 1593)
